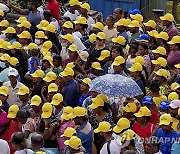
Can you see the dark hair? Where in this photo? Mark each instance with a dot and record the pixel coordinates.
(154, 85)
(112, 18)
(133, 46)
(154, 141)
(120, 10)
(130, 152)
(37, 139)
(34, 2)
(18, 138)
(119, 49)
(125, 13)
(144, 45)
(23, 114)
(47, 13)
(34, 52)
(66, 18)
(84, 26)
(58, 58)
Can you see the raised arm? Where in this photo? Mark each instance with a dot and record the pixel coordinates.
(16, 9)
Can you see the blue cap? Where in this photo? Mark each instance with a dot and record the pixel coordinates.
(136, 11)
(147, 100)
(143, 38)
(165, 105)
(130, 12)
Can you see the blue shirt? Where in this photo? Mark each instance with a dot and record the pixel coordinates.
(70, 92)
(32, 61)
(166, 140)
(84, 132)
(33, 18)
(87, 102)
(124, 34)
(82, 98)
(12, 41)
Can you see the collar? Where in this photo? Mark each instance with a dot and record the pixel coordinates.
(82, 125)
(18, 85)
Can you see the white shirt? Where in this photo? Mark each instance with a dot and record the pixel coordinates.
(13, 97)
(40, 9)
(25, 151)
(64, 53)
(90, 21)
(55, 23)
(77, 34)
(4, 149)
(3, 36)
(72, 16)
(78, 43)
(115, 147)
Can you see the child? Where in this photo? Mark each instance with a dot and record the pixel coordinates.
(57, 62)
(34, 61)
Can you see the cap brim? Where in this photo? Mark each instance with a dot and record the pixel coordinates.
(132, 70)
(163, 18)
(10, 115)
(164, 123)
(173, 106)
(126, 109)
(63, 74)
(117, 129)
(71, 116)
(154, 62)
(93, 106)
(96, 130)
(171, 42)
(138, 115)
(65, 117)
(35, 104)
(22, 94)
(47, 79)
(101, 58)
(4, 94)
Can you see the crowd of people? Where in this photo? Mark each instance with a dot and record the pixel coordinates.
(47, 62)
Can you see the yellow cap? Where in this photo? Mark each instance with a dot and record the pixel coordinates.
(15, 45)
(177, 66)
(57, 99)
(67, 72)
(137, 17)
(73, 48)
(138, 59)
(81, 20)
(172, 96)
(98, 25)
(51, 76)
(40, 35)
(85, 6)
(102, 96)
(40, 152)
(52, 88)
(4, 90)
(9, 30)
(69, 132)
(1, 13)
(120, 40)
(49, 59)
(12, 111)
(128, 22)
(168, 17)
(46, 53)
(5, 57)
(1, 103)
(162, 72)
(151, 23)
(96, 65)
(14, 61)
(121, 22)
(160, 61)
(128, 135)
(163, 35)
(122, 124)
(101, 35)
(25, 24)
(24, 35)
(153, 33)
(130, 107)
(165, 119)
(174, 40)
(143, 111)
(43, 23)
(160, 50)
(5, 45)
(68, 37)
(104, 127)
(78, 112)
(179, 111)
(21, 19)
(92, 38)
(38, 74)
(104, 54)
(74, 142)
(134, 23)
(50, 28)
(96, 102)
(2, 41)
(68, 24)
(175, 86)
(31, 46)
(46, 46)
(71, 65)
(4, 23)
(86, 81)
(74, 2)
(23, 90)
(36, 100)
(47, 110)
(66, 111)
(136, 67)
(118, 61)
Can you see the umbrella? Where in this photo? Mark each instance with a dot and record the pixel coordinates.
(115, 86)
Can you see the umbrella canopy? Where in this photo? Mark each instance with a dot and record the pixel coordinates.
(115, 85)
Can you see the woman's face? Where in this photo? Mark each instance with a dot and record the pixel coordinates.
(83, 87)
(132, 53)
(133, 74)
(117, 69)
(141, 50)
(114, 53)
(96, 110)
(100, 42)
(109, 21)
(72, 54)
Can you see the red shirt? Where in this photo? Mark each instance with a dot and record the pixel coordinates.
(154, 119)
(53, 6)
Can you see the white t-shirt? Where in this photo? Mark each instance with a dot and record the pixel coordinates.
(90, 21)
(25, 151)
(77, 34)
(72, 16)
(64, 53)
(115, 147)
(78, 43)
(40, 9)
(4, 149)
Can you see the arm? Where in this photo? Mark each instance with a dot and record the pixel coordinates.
(17, 10)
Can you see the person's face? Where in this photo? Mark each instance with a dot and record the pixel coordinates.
(83, 11)
(117, 69)
(109, 21)
(159, 78)
(132, 53)
(96, 110)
(120, 28)
(77, 27)
(141, 119)
(36, 80)
(173, 112)
(158, 41)
(96, 72)
(22, 120)
(51, 94)
(23, 97)
(117, 14)
(156, 55)
(56, 63)
(147, 28)
(127, 114)
(8, 35)
(165, 23)
(84, 87)
(114, 53)
(3, 98)
(72, 54)
(94, 94)
(13, 51)
(36, 108)
(132, 29)
(150, 149)
(100, 42)
(12, 78)
(76, 121)
(30, 6)
(133, 74)
(67, 30)
(141, 50)
(2, 28)
(22, 40)
(45, 65)
(174, 47)
(166, 128)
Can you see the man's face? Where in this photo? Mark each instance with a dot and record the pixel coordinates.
(165, 23)
(76, 120)
(30, 6)
(173, 112)
(117, 69)
(12, 78)
(166, 128)
(150, 149)
(117, 14)
(3, 98)
(23, 97)
(35, 80)
(45, 65)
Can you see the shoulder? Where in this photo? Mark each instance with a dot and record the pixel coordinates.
(6, 83)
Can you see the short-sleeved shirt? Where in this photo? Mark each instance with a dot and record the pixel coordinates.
(173, 59)
(53, 6)
(82, 98)
(30, 125)
(166, 140)
(3, 120)
(71, 16)
(33, 18)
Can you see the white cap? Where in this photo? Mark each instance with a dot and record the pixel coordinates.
(13, 72)
(83, 55)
